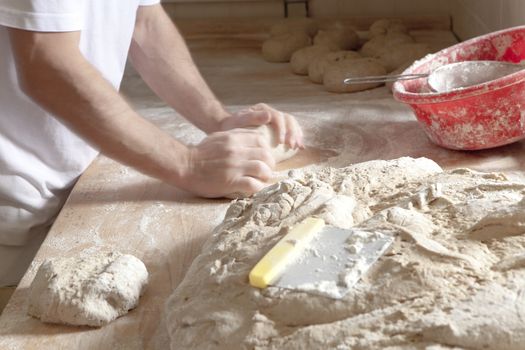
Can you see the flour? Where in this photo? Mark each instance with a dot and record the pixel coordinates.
(92, 290)
(437, 287)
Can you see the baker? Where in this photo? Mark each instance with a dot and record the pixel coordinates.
(61, 64)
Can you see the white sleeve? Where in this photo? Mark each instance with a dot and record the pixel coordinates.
(42, 15)
(148, 2)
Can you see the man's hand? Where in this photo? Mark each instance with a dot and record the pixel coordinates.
(227, 163)
(284, 124)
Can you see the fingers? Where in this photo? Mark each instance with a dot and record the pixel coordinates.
(249, 185)
(258, 169)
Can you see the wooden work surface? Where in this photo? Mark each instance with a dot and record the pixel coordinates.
(113, 207)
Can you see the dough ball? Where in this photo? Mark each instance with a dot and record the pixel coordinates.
(383, 43)
(92, 290)
(318, 65)
(280, 152)
(338, 72)
(280, 48)
(385, 26)
(302, 58)
(400, 54)
(337, 37)
(291, 25)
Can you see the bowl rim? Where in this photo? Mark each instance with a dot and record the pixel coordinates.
(430, 97)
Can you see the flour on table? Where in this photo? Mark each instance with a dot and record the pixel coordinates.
(92, 290)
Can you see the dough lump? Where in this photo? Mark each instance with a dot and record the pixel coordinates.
(337, 38)
(384, 26)
(338, 72)
(383, 43)
(317, 67)
(302, 58)
(280, 152)
(290, 25)
(92, 290)
(398, 55)
(280, 48)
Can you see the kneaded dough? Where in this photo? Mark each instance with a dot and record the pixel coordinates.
(92, 290)
(383, 43)
(436, 288)
(337, 37)
(290, 25)
(281, 48)
(317, 67)
(280, 152)
(400, 54)
(335, 74)
(384, 26)
(302, 58)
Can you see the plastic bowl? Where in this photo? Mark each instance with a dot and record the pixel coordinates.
(482, 116)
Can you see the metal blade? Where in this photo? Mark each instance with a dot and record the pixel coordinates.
(335, 261)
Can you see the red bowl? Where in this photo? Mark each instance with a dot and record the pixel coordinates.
(482, 116)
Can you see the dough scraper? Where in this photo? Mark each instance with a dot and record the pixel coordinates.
(320, 259)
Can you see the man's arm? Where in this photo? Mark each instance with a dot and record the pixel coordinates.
(53, 72)
(161, 57)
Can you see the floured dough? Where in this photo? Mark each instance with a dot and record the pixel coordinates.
(382, 44)
(318, 65)
(398, 55)
(302, 58)
(335, 74)
(290, 25)
(280, 152)
(384, 26)
(92, 290)
(436, 288)
(337, 37)
(280, 48)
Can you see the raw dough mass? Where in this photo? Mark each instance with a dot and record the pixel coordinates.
(398, 55)
(382, 44)
(439, 286)
(335, 74)
(337, 38)
(92, 290)
(280, 152)
(280, 48)
(302, 58)
(318, 65)
(385, 26)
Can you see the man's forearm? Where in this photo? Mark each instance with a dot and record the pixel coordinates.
(53, 72)
(161, 57)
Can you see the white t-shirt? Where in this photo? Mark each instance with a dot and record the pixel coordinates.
(40, 158)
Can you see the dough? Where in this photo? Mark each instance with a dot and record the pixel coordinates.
(302, 58)
(385, 26)
(337, 38)
(398, 55)
(92, 290)
(435, 289)
(382, 44)
(280, 152)
(280, 48)
(290, 25)
(335, 74)
(318, 65)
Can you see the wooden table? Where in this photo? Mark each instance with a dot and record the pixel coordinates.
(114, 207)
